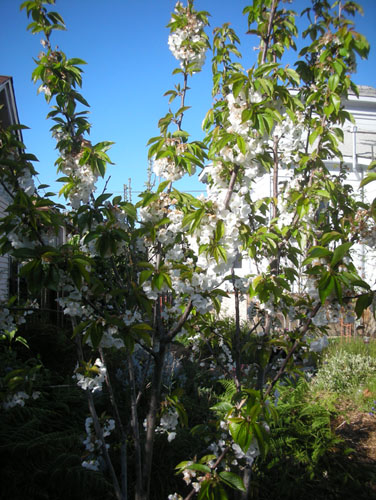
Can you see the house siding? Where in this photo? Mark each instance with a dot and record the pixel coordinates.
(4, 261)
(8, 116)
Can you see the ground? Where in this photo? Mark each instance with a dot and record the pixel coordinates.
(358, 430)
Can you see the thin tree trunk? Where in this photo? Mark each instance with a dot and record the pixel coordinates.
(275, 177)
(119, 424)
(135, 430)
(236, 341)
(151, 420)
(99, 434)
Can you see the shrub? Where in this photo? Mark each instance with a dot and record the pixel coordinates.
(343, 371)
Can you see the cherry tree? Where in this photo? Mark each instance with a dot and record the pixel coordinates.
(139, 282)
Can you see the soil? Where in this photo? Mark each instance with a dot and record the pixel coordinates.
(358, 430)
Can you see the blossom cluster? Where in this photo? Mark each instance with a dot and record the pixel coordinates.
(81, 175)
(9, 320)
(255, 143)
(84, 179)
(110, 338)
(18, 237)
(247, 456)
(183, 248)
(188, 42)
(93, 444)
(95, 383)
(18, 399)
(26, 182)
(190, 477)
(288, 134)
(250, 455)
(71, 302)
(168, 165)
(168, 424)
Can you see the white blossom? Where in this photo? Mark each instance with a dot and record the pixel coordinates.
(18, 399)
(94, 445)
(168, 423)
(188, 44)
(91, 464)
(92, 384)
(250, 455)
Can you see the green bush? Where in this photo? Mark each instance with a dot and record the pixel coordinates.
(343, 371)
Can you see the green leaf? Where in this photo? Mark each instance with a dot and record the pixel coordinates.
(129, 209)
(338, 289)
(328, 237)
(148, 265)
(103, 197)
(167, 280)
(314, 135)
(237, 87)
(181, 466)
(326, 286)
(264, 69)
(24, 253)
(336, 101)
(96, 333)
(223, 407)
(362, 303)
(241, 144)
(145, 275)
(324, 193)
(204, 492)
(207, 458)
(199, 468)
(75, 60)
(340, 252)
(241, 432)
(333, 82)
(80, 327)
(233, 480)
(141, 331)
(293, 75)
(219, 230)
(316, 253)
(222, 252)
(368, 178)
(159, 280)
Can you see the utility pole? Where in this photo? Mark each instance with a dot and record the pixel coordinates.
(127, 191)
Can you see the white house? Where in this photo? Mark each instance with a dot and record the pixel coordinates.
(8, 116)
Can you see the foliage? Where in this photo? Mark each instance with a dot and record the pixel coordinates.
(344, 371)
(308, 459)
(42, 453)
(144, 285)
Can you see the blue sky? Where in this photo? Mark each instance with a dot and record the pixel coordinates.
(129, 69)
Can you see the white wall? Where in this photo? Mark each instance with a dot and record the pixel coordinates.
(4, 259)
